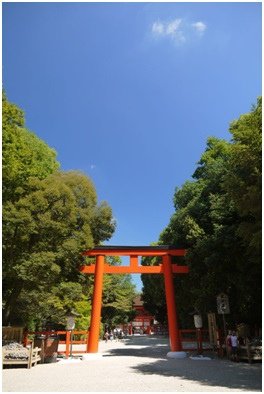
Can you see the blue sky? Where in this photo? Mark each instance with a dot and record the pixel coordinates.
(129, 92)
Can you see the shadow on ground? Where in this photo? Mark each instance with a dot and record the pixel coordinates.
(215, 372)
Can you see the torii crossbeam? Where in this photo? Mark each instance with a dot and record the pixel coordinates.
(166, 268)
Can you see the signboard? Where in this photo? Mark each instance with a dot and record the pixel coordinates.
(223, 304)
(198, 323)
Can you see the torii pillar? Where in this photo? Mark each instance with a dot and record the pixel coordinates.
(167, 268)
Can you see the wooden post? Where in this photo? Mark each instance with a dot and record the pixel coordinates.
(96, 306)
(175, 341)
(199, 341)
(68, 340)
(25, 338)
(87, 340)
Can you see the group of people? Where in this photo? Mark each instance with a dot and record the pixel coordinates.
(232, 345)
(114, 335)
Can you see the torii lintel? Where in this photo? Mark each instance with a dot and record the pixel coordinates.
(134, 252)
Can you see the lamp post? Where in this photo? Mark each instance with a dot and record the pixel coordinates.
(198, 325)
(70, 326)
(223, 308)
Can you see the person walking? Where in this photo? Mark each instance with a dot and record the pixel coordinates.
(234, 346)
(228, 344)
(106, 336)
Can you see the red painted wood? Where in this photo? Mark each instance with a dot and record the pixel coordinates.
(134, 251)
(96, 305)
(132, 269)
(175, 341)
(167, 268)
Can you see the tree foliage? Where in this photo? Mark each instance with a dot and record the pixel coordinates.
(118, 295)
(24, 154)
(244, 178)
(49, 218)
(154, 301)
(217, 218)
(44, 233)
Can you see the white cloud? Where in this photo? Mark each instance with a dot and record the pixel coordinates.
(179, 30)
(173, 27)
(92, 166)
(179, 36)
(157, 28)
(200, 27)
(170, 29)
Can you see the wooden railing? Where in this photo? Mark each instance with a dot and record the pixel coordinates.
(65, 338)
(72, 341)
(199, 337)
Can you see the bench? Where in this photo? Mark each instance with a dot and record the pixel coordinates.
(250, 352)
(34, 357)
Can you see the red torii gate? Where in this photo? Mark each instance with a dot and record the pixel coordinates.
(166, 268)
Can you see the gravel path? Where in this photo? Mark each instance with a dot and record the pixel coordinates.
(139, 364)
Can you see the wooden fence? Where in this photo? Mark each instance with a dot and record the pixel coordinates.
(67, 338)
(12, 333)
(191, 339)
(198, 340)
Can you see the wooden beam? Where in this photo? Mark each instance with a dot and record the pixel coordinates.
(133, 269)
(134, 251)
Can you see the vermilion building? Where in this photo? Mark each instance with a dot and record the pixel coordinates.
(143, 321)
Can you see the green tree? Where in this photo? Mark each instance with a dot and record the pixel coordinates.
(118, 295)
(24, 154)
(44, 233)
(217, 218)
(243, 184)
(154, 301)
(49, 217)
(243, 181)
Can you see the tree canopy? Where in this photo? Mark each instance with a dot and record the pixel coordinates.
(118, 295)
(217, 218)
(49, 218)
(24, 154)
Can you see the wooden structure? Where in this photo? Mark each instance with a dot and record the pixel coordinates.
(11, 333)
(33, 358)
(143, 319)
(166, 268)
(64, 339)
(188, 339)
(250, 351)
(142, 322)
